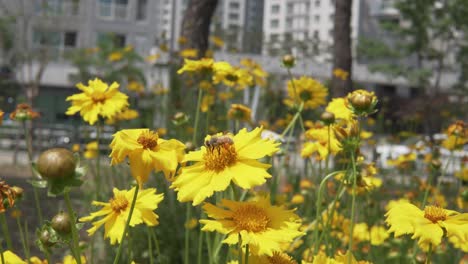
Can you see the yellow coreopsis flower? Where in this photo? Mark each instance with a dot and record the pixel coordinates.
(125, 115)
(97, 99)
(217, 41)
(338, 107)
(257, 72)
(11, 258)
(188, 53)
(403, 161)
(71, 260)
(462, 174)
(430, 225)
(319, 139)
(453, 142)
(135, 86)
(341, 74)
(115, 212)
(378, 235)
(115, 56)
(307, 90)
(207, 101)
(259, 224)
(231, 76)
(240, 112)
(92, 150)
(146, 152)
(223, 159)
(204, 65)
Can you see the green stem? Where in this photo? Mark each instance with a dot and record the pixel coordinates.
(6, 231)
(246, 254)
(353, 207)
(318, 214)
(127, 224)
(1, 252)
(150, 248)
(30, 159)
(156, 242)
(293, 121)
(23, 240)
(197, 116)
(296, 98)
(188, 215)
(200, 245)
(98, 190)
(239, 248)
(209, 245)
(75, 247)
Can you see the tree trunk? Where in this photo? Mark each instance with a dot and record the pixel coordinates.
(196, 24)
(342, 57)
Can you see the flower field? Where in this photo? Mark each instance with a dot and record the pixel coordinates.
(217, 184)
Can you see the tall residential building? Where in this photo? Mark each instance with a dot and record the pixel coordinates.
(303, 27)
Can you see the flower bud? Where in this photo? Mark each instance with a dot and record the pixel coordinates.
(179, 118)
(18, 191)
(436, 164)
(361, 102)
(289, 61)
(56, 163)
(61, 223)
(45, 238)
(327, 118)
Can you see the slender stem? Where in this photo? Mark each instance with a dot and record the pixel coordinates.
(156, 242)
(197, 116)
(188, 215)
(30, 158)
(132, 207)
(209, 245)
(239, 248)
(150, 248)
(246, 254)
(301, 123)
(98, 162)
(1, 252)
(353, 206)
(296, 98)
(200, 245)
(23, 240)
(6, 231)
(429, 255)
(318, 214)
(293, 121)
(75, 247)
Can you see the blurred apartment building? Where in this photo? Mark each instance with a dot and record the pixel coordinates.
(303, 27)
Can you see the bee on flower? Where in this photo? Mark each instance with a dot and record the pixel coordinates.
(224, 159)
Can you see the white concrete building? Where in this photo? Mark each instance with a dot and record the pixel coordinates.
(303, 27)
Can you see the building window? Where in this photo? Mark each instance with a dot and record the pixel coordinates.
(274, 37)
(274, 23)
(289, 23)
(142, 6)
(57, 7)
(113, 9)
(275, 9)
(317, 3)
(234, 5)
(316, 18)
(290, 8)
(233, 16)
(57, 43)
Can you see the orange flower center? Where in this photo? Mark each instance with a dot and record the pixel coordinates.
(435, 213)
(98, 97)
(219, 155)
(280, 258)
(119, 203)
(251, 218)
(148, 139)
